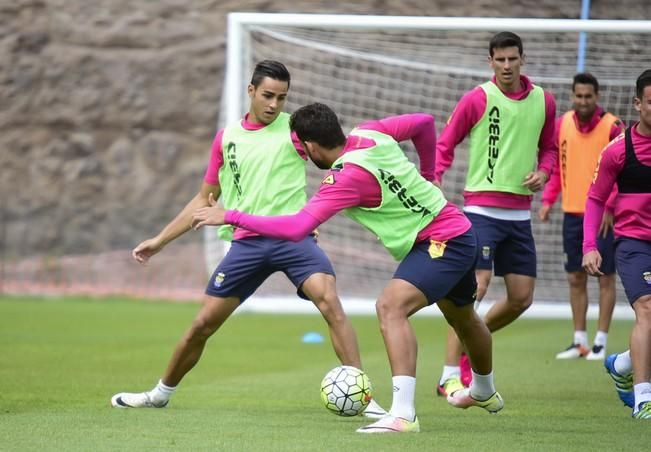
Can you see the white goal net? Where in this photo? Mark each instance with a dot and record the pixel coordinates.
(368, 67)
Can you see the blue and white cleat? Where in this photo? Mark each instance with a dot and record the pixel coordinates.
(623, 383)
(135, 400)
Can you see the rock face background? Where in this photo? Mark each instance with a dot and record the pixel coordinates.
(108, 109)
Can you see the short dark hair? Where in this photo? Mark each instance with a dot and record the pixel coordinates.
(505, 39)
(272, 69)
(318, 123)
(585, 78)
(642, 82)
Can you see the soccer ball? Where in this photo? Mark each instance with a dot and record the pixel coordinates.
(346, 391)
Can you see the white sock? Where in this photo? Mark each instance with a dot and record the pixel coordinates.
(449, 372)
(404, 389)
(642, 394)
(623, 364)
(482, 386)
(601, 338)
(161, 392)
(581, 338)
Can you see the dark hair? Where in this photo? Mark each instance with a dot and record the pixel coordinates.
(585, 78)
(272, 69)
(505, 39)
(642, 82)
(318, 123)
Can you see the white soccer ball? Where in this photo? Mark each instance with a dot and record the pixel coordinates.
(346, 391)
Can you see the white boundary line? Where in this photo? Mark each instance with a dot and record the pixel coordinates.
(362, 306)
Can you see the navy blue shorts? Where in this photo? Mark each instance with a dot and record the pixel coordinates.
(505, 245)
(250, 261)
(443, 269)
(573, 246)
(633, 260)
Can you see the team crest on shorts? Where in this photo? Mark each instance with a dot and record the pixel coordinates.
(647, 277)
(219, 279)
(436, 248)
(485, 252)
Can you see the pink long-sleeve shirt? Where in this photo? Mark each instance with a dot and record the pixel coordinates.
(217, 161)
(632, 210)
(553, 187)
(354, 186)
(466, 115)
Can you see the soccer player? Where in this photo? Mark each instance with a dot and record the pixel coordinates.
(626, 161)
(510, 122)
(373, 182)
(581, 134)
(258, 166)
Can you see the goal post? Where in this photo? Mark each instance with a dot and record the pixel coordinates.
(369, 67)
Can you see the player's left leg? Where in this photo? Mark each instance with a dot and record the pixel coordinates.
(321, 290)
(477, 340)
(633, 261)
(310, 270)
(515, 260)
(308, 267)
(641, 357)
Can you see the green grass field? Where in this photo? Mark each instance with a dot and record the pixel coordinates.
(257, 386)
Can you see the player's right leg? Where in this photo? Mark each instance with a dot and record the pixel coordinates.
(607, 296)
(577, 281)
(238, 275)
(212, 315)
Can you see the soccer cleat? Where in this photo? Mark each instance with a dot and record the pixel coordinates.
(466, 370)
(573, 351)
(598, 353)
(623, 383)
(374, 410)
(135, 400)
(644, 412)
(449, 387)
(391, 424)
(463, 399)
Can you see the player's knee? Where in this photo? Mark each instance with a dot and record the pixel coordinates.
(577, 280)
(642, 307)
(522, 303)
(330, 307)
(202, 329)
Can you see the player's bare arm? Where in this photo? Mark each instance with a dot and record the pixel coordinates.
(178, 226)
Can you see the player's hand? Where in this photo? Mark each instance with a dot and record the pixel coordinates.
(543, 213)
(592, 262)
(143, 252)
(211, 215)
(535, 180)
(606, 224)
